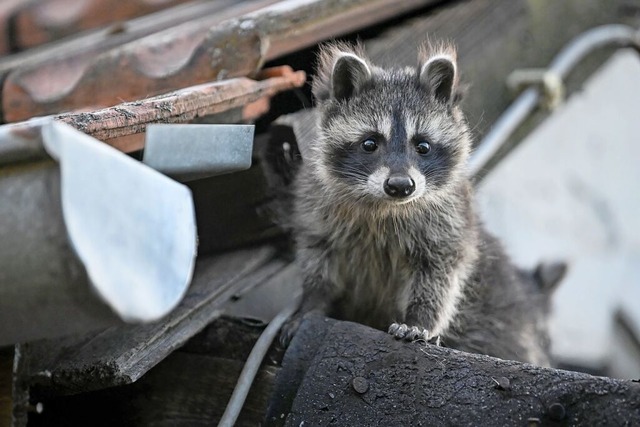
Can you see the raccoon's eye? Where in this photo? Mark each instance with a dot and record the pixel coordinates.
(369, 145)
(423, 147)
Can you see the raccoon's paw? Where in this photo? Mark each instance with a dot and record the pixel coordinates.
(404, 332)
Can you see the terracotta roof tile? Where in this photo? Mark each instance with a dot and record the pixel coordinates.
(192, 53)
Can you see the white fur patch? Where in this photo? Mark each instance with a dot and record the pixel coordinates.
(419, 180)
(375, 183)
(384, 126)
(411, 125)
(354, 131)
(535, 354)
(433, 128)
(316, 164)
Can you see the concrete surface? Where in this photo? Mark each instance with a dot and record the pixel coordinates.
(571, 191)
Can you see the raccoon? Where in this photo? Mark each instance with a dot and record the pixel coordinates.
(386, 233)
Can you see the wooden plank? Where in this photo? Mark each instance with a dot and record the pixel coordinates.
(184, 390)
(180, 106)
(21, 141)
(189, 388)
(121, 355)
(194, 390)
(184, 56)
(248, 113)
(293, 24)
(361, 376)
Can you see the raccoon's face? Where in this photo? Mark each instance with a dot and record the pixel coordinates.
(391, 136)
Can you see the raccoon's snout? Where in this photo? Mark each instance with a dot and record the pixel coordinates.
(399, 186)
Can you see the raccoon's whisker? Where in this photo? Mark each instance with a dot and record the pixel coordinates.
(479, 122)
(351, 169)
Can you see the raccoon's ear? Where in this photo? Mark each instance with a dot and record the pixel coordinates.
(348, 75)
(549, 274)
(439, 76)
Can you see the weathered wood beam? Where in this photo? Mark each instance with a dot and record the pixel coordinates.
(66, 60)
(121, 355)
(191, 387)
(247, 113)
(128, 119)
(180, 106)
(186, 55)
(345, 374)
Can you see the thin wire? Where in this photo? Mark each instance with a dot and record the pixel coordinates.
(251, 367)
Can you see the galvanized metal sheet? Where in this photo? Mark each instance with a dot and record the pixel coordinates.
(132, 227)
(191, 151)
(44, 290)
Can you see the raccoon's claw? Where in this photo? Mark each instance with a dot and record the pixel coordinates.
(398, 330)
(402, 331)
(436, 341)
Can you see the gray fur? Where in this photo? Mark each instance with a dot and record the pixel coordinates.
(423, 261)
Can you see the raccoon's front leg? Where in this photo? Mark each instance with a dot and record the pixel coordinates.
(427, 310)
(316, 298)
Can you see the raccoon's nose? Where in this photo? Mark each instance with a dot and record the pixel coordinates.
(399, 186)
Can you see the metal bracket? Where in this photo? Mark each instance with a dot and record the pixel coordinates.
(549, 82)
(191, 151)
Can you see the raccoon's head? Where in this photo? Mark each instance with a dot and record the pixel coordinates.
(389, 136)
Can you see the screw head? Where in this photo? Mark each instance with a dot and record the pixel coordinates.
(556, 411)
(502, 383)
(360, 385)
